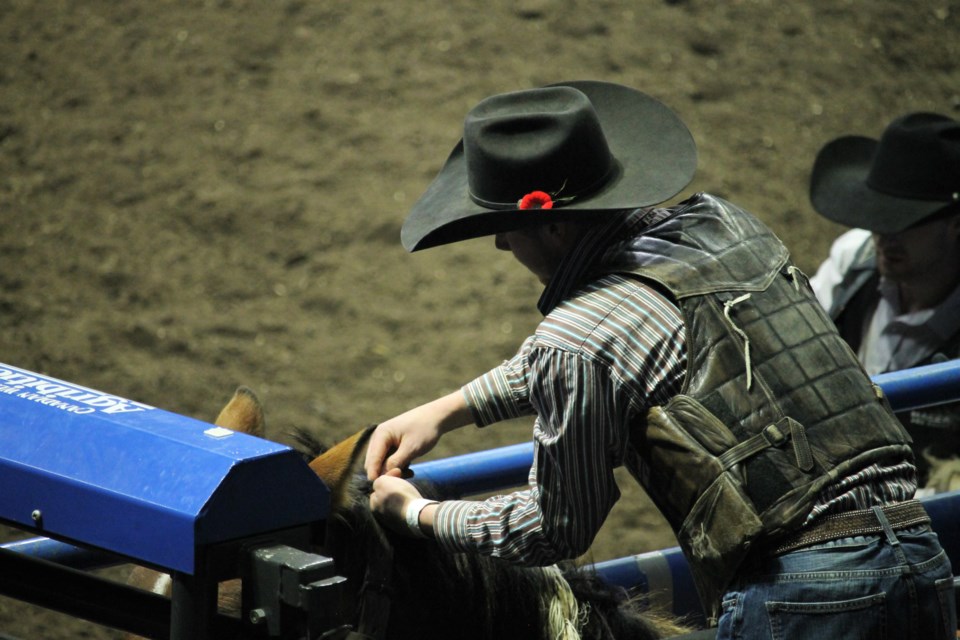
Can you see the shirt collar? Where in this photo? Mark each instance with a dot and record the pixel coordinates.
(589, 253)
(941, 320)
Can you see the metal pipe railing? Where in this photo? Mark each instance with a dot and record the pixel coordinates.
(495, 469)
(921, 387)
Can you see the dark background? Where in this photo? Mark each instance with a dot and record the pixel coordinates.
(197, 195)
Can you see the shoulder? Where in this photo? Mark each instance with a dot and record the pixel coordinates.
(848, 251)
(612, 311)
(850, 248)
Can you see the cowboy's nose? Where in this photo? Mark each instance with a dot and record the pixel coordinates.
(500, 242)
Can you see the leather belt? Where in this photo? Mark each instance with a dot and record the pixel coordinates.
(901, 515)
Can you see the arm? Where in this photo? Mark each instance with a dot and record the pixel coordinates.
(588, 382)
(390, 499)
(417, 431)
(586, 389)
(400, 440)
(571, 486)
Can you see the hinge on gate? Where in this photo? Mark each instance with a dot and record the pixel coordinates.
(290, 592)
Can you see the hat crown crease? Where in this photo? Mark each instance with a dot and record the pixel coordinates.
(917, 158)
(554, 143)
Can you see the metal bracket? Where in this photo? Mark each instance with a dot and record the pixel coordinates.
(291, 593)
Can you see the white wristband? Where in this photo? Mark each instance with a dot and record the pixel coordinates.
(412, 515)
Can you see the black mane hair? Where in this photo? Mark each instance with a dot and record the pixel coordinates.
(437, 595)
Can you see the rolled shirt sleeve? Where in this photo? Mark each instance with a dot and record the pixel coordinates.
(567, 498)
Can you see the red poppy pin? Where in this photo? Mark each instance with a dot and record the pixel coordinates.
(536, 200)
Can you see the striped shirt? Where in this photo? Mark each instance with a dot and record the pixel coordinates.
(608, 349)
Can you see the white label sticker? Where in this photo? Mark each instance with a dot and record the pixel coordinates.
(218, 432)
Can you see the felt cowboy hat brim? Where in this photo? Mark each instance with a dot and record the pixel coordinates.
(888, 185)
(546, 139)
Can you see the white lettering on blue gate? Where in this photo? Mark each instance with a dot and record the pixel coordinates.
(63, 395)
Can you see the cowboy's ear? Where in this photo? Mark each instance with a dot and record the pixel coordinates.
(243, 413)
(562, 235)
(337, 466)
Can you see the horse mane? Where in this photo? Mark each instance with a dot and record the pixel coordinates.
(437, 594)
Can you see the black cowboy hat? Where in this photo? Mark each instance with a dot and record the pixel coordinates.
(574, 149)
(885, 186)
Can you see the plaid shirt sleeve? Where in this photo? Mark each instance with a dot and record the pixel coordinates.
(501, 394)
(586, 373)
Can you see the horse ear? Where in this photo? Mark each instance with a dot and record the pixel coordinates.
(337, 466)
(243, 413)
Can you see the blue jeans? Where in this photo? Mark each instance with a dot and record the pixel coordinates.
(894, 585)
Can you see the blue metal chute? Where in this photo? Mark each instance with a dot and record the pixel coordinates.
(102, 471)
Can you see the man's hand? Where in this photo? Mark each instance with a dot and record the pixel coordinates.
(389, 500)
(397, 442)
(401, 440)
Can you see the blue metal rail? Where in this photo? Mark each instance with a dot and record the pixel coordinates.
(495, 469)
(657, 572)
(509, 466)
(921, 387)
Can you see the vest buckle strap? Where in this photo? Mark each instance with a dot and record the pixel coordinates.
(774, 435)
(770, 436)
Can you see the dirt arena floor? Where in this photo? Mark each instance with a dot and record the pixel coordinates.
(198, 194)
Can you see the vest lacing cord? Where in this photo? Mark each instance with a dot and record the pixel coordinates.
(727, 306)
(792, 272)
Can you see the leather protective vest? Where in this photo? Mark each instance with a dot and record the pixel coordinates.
(775, 405)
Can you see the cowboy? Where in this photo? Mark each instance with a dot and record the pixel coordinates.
(682, 344)
(892, 282)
